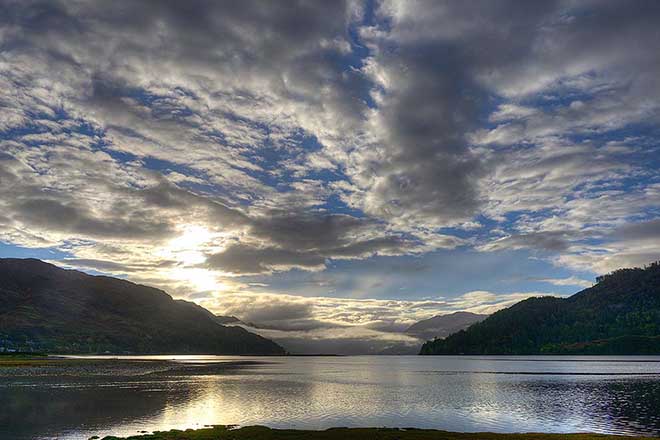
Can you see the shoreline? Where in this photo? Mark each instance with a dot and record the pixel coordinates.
(265, 433)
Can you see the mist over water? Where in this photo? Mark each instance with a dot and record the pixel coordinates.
(504, 394)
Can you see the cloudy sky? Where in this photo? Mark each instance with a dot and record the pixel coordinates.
(333, 170)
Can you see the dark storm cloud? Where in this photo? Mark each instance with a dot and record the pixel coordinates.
(165, 194)
(306, 240)
(432, 100)
(427, 169)
(309, 231)
(649, 230)
(72, 218)
(246, 259)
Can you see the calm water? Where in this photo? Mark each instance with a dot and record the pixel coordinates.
(505, 394)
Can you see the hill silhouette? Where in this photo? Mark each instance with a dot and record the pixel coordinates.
(618, 315)
(46, 308)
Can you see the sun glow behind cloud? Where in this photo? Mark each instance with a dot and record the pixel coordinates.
(188, 250)
(199, 280)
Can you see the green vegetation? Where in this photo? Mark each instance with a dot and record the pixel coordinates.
(263, 433)
(21, 355)
(23, 359)
(619, 315)
(48, 309)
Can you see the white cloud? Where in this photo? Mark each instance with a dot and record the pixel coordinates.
(568, 281)
(293, 141)
(348, 325)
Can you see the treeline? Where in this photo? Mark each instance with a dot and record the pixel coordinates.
(618, 315)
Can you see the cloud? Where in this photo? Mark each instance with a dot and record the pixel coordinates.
(344, 341)
(548, 241)
(193, 145)
(251, 260)
(69, 218)
(245, 259)
(630, 245)
(648, 230)
(152, 152)
(346, 325)
(569, 281)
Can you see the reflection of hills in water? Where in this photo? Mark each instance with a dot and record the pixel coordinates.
(98, 394)
(306, 392)
(58, 407)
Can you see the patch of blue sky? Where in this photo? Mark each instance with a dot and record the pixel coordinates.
(510, 220)
(481, 226)
(156, 164)
(119, 156)
(646, 133)
(556, 101)
(198, 182)
(59, 117)
(486, 108)
(157, 102)
(359, 50)
(8, 250)
(273, 162)
(335, 205)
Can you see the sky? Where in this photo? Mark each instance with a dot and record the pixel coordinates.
(333, 171)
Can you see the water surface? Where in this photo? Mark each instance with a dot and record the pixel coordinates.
(464, 393)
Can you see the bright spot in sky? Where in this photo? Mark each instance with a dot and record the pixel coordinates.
(188, 247)
(189, 251)
(197, 278)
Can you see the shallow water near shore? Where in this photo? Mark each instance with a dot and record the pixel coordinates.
(81, 397)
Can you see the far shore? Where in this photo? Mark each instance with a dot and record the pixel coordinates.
(264, 433)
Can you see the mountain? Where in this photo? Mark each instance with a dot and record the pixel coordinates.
(232, 321)
(227, 320)
(46, 308)
(444, 325)
(618, 315)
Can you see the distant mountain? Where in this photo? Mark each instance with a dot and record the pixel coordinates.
(618, 315)
(232, 321)
(46, 308)
(444, 325)
(227, 320)
(399, 349)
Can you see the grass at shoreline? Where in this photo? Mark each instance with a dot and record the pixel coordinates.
(264, 433)
(23, 359)
(27, 361)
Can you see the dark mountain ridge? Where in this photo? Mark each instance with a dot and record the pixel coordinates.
(618, 315)
(46, 308)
